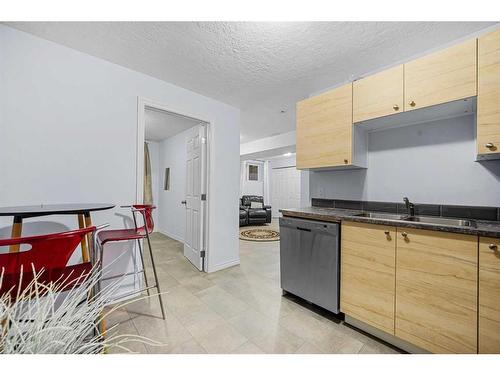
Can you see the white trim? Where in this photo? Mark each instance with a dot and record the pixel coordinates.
(142, 103)
(224, 265)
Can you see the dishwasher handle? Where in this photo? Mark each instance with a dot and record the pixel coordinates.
(304, 229)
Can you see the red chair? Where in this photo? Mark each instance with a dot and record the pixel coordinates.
(135, 234)
(48, 258)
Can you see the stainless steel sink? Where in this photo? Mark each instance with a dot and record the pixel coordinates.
(377, 215)
(441, 221)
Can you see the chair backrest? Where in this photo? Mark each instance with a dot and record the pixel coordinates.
(147, 214)
(48, 252)
(247, 199)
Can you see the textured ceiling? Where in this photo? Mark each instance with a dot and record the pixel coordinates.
(260, 67)
(161, 125)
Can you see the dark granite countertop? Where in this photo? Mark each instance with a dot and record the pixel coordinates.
(482, 228)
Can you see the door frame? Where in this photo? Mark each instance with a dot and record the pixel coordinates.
(142, 104)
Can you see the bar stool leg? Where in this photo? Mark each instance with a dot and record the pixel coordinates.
(143, 267)
(155, 275)
(85, 251)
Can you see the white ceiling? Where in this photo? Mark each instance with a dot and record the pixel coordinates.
(260, 67)
(160, 125)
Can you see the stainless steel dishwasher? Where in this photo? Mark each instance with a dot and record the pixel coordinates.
(309, 261)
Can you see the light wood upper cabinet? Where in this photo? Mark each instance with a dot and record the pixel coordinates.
(368, 259)
(441, 77)
(436, 290)
(324, 129)
(488, 94)
(489, 295)
(378, 95)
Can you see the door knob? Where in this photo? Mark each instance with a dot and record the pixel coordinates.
(395, 107)
(493, 247)
(183, 202)
(412, 103)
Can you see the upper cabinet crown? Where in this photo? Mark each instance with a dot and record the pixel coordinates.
(324, 129)
(441, 77)
(378, 95)
(488, 94)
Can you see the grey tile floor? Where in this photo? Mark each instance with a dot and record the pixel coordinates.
(236, 310)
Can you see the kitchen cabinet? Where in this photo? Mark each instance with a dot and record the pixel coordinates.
(441, 77)
(324, 129)
(378, 95)
(436, 290)
(489, 295)
(488, 94)
(368, 260)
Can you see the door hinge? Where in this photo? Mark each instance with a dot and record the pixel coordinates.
(202, 253)
(203, 197)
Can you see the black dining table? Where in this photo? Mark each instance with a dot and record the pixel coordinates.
(82, 210)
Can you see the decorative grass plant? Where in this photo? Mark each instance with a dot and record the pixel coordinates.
(43, 319)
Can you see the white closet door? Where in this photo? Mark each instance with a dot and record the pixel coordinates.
(285, 189)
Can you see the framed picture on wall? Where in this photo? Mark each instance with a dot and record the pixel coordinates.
(253, 172)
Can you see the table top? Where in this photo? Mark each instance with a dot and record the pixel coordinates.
(54, 209)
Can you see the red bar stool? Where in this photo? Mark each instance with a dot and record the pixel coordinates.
(137, 234)
(47, 259)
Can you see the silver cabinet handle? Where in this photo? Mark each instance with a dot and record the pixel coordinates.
(489, 145)
(183, 202)
(493, 247)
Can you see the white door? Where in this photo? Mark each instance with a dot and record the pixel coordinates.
(285, 189)
(195, 196)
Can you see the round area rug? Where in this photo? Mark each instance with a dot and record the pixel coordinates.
(258, 234)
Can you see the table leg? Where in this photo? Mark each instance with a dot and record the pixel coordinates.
(85, 251)
(88, 223)
(17, 228)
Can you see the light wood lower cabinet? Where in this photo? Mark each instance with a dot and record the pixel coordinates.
(368, 274)
(489, 295)
(488, 94)
(324, 129)
(436, 290)
(441, 77)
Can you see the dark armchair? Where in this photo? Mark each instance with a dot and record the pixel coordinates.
(254, 215)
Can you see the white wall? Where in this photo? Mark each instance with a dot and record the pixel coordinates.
(172, 214)
(429, 163)
(68, 134)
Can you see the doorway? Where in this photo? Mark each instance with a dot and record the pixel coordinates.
(172, 174)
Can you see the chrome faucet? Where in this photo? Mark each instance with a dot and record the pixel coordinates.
(410, 207)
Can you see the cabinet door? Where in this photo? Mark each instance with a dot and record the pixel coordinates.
(324, 129)
(441, 77)
(368, 274)
(488, 94)
(436, 290)
(489, 295)
(378, 95)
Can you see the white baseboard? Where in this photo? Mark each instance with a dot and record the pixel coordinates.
(175, 237)
(222, 266)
